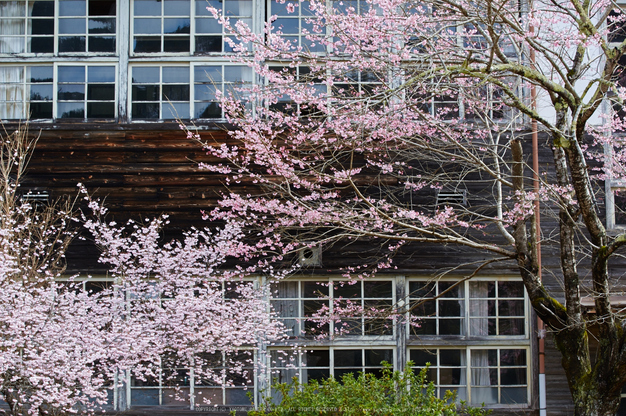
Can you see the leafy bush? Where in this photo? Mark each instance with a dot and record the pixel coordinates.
(394, 393)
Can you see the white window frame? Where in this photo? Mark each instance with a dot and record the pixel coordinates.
(25, 88)
(466, 317)
(468, 367)
(194, 26)
(301, 320)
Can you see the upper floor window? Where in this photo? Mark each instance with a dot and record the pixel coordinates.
(309, 308)
(184, 26)
(295, 21)
(494, 308)
(79, 26)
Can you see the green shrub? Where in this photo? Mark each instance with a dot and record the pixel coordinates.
(395, 393)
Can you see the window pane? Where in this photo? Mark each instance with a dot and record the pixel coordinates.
(422, 357)
(101, 25)
(208, 110)
(71, 110)
(175, 75)
(314, 289)
(147, 44)
(208, 43)
(179, 25)
(450, 357)
(101, 74)
(100, 110)
(146, 75)
(70, 26)
(71, 92)
(376, 357)
(72, 8)
(102, 8)
(145, 110)
(42, 27)
(72, 44)
(41, 92)
(511, 289)
(71, 74)
(101, 92)
(40, 110)
(175, 92)
(42, 45)
(176, 7)
(40, 73)
(317, 358)
(208, 74)
(101, 44)
(205, 92)
(374, 289)
(348, 358)
(208, 26)
(145, 93)
(147, 7)
(347, 290)
(148, 26)
(171, 111)
(41, 8)
(176, 44)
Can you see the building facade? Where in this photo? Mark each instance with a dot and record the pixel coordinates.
(106, 82)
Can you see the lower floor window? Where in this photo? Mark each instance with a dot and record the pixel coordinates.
(321, 363)
(478, 375)
(177, 386)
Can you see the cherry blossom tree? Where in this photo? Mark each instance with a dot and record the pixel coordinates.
(63, 349)
(368, 108)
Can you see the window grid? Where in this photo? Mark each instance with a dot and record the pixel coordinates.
(161, 26)
(185, 26)
(210, 36)
(87, 26)
(209, 79)
(160, 92)
(27, 26)
(177, 386)
(298, 302)
(321, 363)
(439, 306)
(496, 375)
(296, 22)
(86, 92)
(478, 308)
(26, 92)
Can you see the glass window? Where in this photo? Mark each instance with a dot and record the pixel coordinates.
(160, 93)
(295, 21)
(185, 26)
(210, 35)
(497, 308)
(494, 375)
(26, 92)
(82, 92)
(312, 308)
(175, 385)
(321, 363)
(447, 369)
(86, 92)
(209, 79)
(438, 308)
(27, 26)
(82, 26)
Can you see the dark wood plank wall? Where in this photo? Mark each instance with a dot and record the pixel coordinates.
(144, 172)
